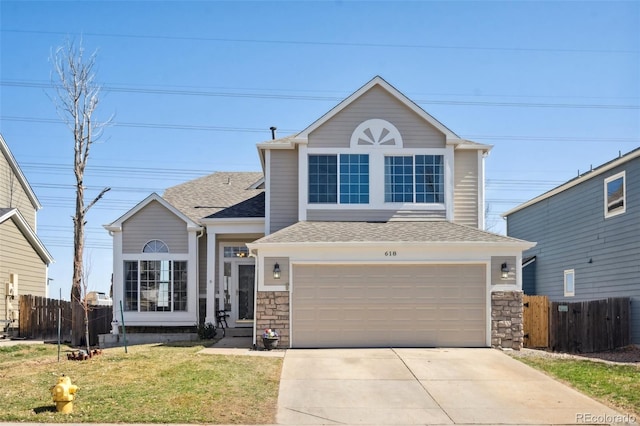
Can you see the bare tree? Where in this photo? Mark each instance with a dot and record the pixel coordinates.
(86, 307)
(77, 98)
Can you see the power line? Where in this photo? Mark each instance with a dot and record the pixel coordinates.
(322, 43)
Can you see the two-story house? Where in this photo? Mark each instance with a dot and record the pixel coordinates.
(588, 235)
(364, 230)
(24, 260)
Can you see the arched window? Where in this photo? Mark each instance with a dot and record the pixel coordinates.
(155, 246)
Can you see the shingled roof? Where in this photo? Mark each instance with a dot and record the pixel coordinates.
(381, 232)
(213, 194)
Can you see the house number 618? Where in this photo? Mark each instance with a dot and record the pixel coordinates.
(390, 253)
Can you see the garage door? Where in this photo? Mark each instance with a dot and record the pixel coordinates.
(388, 306)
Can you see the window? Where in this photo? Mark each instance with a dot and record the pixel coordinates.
(352, 179)
(404, 183)
(569, 282)
(236, 251)
(614, 195)
(323, 179)
(155, 285)
(155, 246)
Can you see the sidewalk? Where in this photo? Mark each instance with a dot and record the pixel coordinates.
(239, 342)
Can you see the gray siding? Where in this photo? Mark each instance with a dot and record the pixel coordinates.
(465, 188)
(19, 257)
(154, 222)
(13, 195)
(572, 233)
(345, 215)
(377, 103)
(283, 189)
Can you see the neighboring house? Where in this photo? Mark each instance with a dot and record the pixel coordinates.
(366, 230)
(24, 260)
(588, 235)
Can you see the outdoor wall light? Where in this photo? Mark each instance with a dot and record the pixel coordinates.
(505, 270)
(276, 271)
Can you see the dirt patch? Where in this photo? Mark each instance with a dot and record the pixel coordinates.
(629, 355)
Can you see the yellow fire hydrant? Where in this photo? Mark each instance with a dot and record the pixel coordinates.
(63, 393)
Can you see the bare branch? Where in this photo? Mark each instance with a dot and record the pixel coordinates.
(95, 200)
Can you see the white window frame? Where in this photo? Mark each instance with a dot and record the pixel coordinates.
(376, 179)
(572, 273)
(620, 210)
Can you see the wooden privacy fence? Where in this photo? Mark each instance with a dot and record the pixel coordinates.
(535, 320)
(39, 319)
(590, 326)
(576, 327)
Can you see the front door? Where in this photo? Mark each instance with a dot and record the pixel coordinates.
(246, 275)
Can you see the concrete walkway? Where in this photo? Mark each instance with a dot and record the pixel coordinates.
(237, 342)
(426, 386)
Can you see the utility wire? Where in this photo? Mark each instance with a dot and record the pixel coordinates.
(321, 43)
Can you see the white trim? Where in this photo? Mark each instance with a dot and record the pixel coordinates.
(379, 81)
(303, 182)
(481, 194)
(13, 164)
(233, 284)
(571, 272)
(589, 175)
(29, 234)
(376, 180)
(620, 210)
(267, 192)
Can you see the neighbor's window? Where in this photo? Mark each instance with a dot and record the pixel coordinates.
(155, 285)
(414, 179)
(569, 282)
(348, 185)
(614, 195)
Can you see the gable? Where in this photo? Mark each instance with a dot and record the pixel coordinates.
(14, 191)
(376, 103)
(154, 222)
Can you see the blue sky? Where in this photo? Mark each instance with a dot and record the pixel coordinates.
(554, 86)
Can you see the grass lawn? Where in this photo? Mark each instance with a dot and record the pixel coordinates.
(150, 384)
(615, 385)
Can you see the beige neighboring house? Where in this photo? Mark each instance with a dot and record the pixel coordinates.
(366, 229)
(24, 260)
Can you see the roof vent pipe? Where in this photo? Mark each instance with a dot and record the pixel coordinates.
(273, 132)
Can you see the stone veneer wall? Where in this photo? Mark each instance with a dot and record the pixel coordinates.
(273, 312)
(506, 320)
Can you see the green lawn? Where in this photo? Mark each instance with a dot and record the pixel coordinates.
(615, 385)
(150, 384)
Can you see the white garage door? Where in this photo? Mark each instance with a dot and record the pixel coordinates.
(388, 306)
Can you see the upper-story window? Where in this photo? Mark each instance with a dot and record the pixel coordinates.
(349, 184)
(414, 179)
(614, 195)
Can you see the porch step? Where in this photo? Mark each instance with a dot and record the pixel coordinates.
(239, 332)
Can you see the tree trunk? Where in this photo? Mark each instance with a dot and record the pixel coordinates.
(77, 309)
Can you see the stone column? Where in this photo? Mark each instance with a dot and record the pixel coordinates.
(272, 311)
(506, 320)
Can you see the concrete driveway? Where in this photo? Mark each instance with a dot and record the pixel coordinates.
(426, 386)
